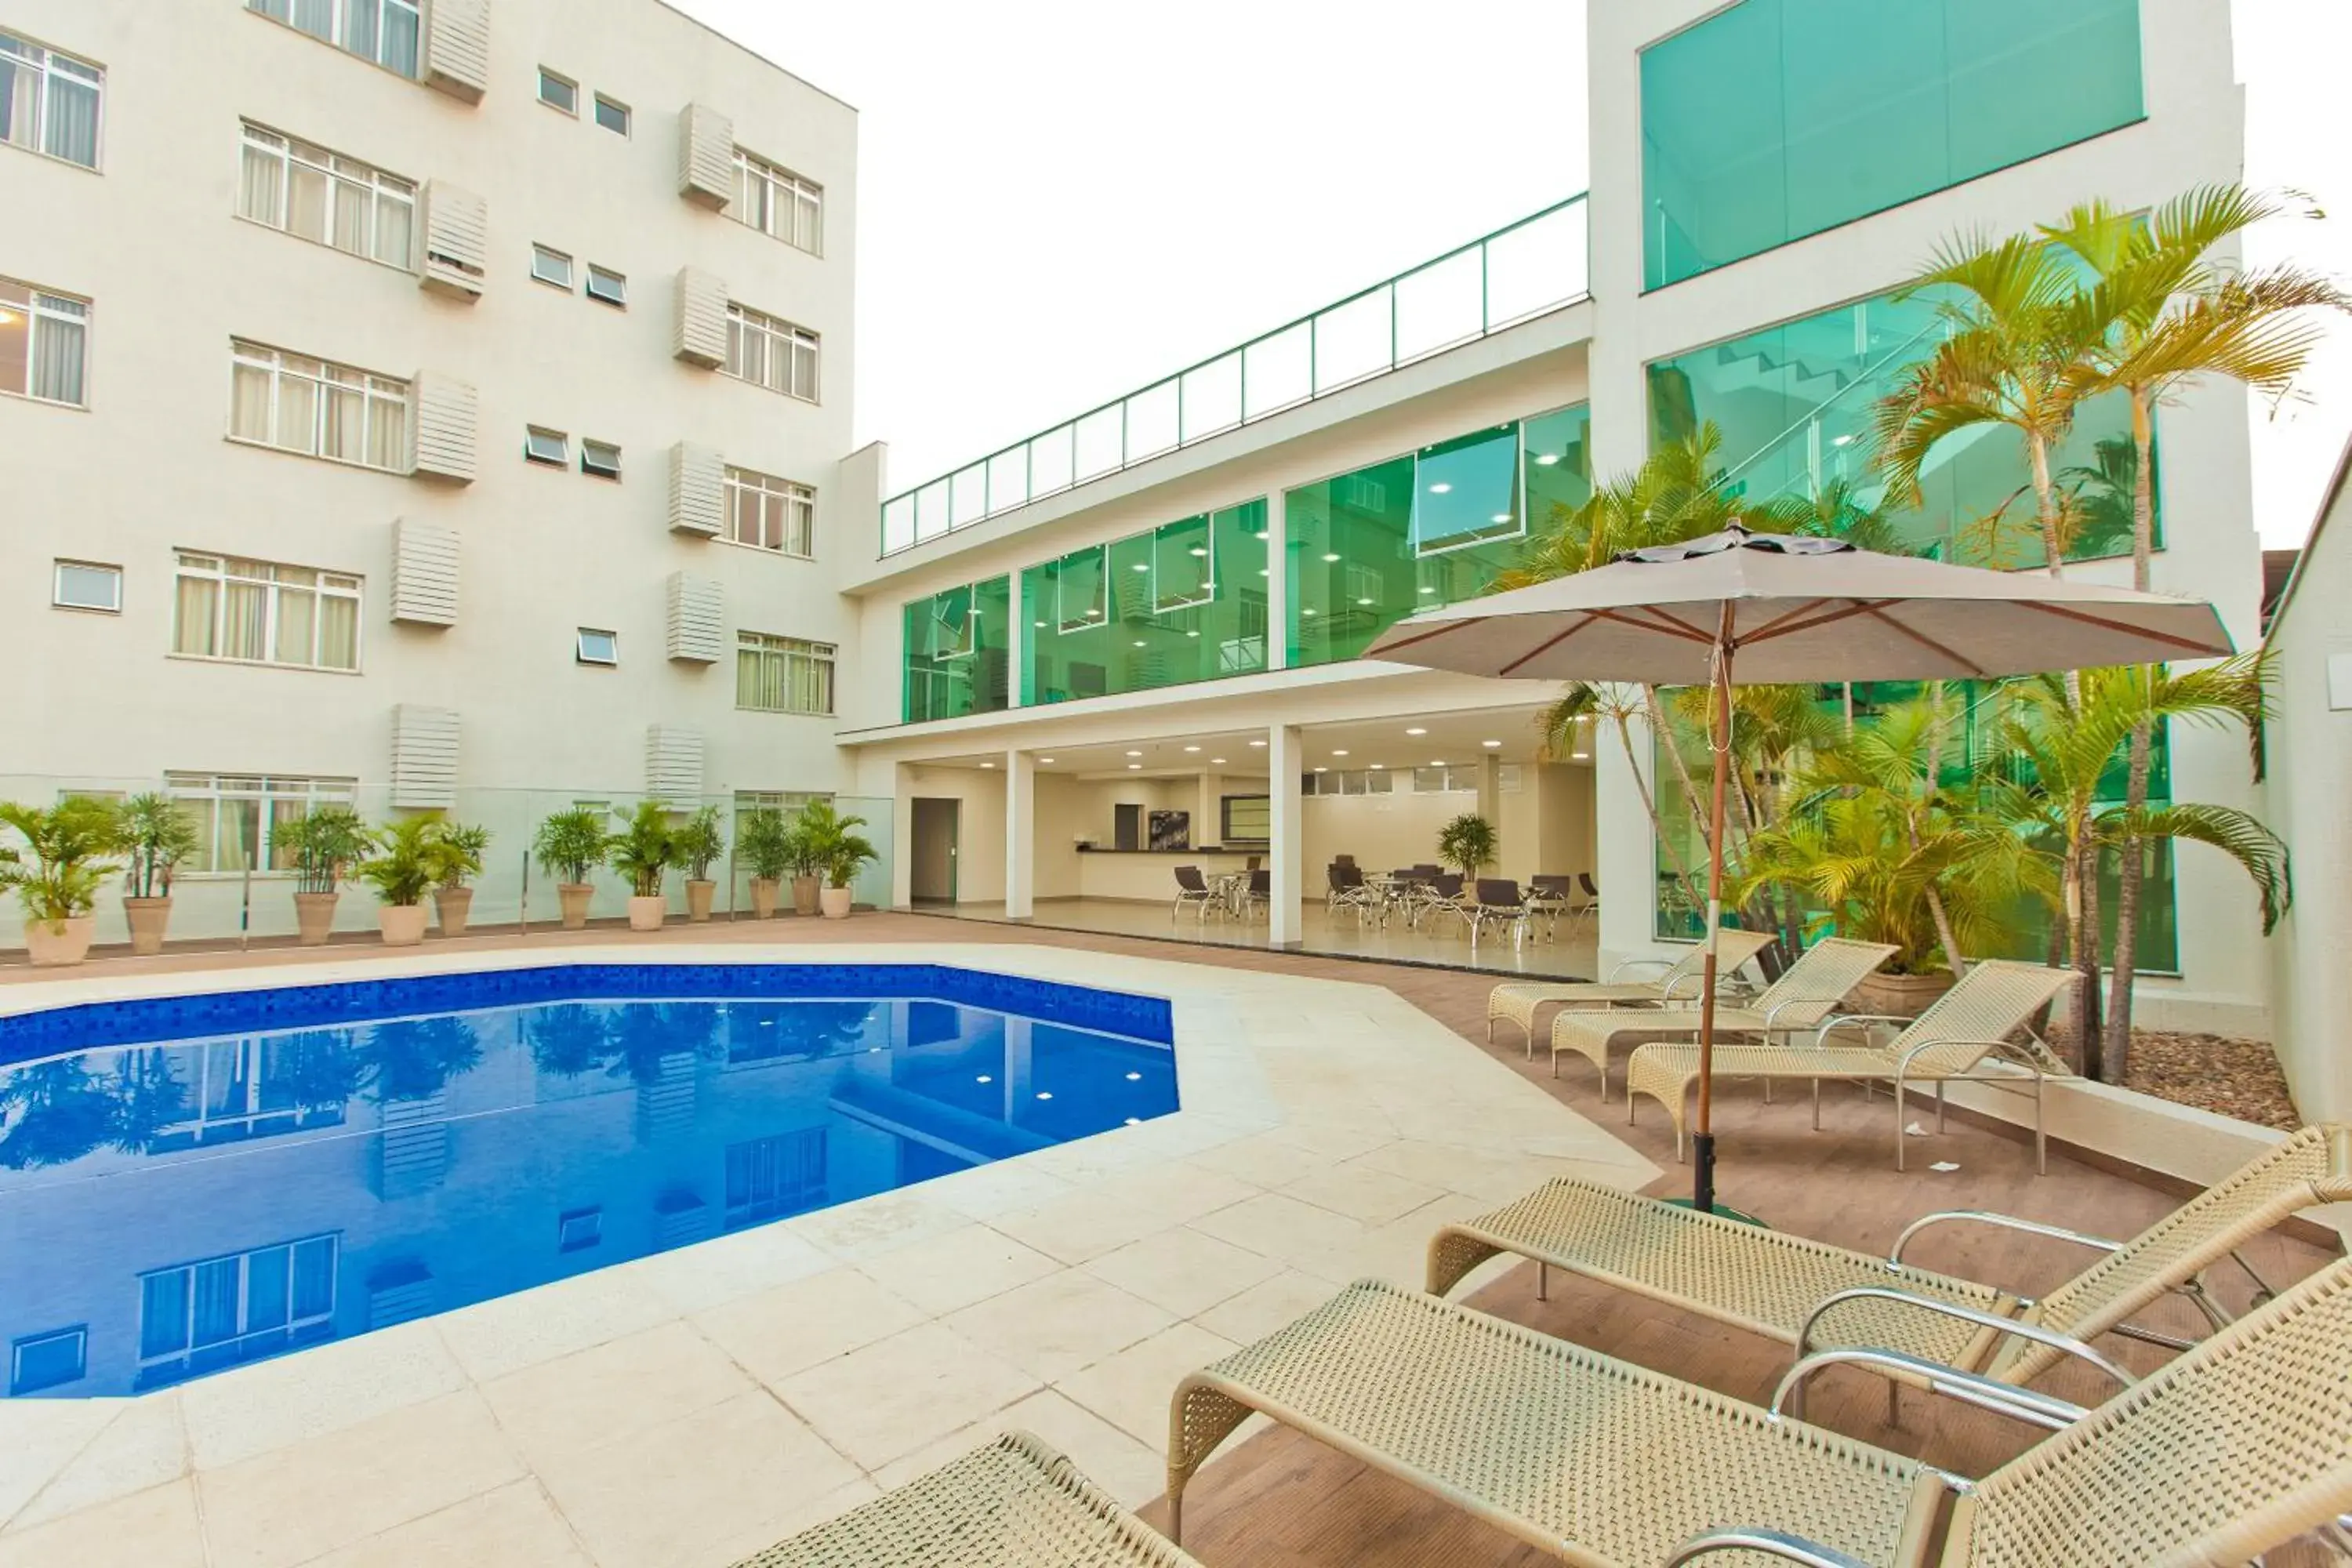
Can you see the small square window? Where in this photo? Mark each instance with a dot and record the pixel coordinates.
(551, 267)
(612, 116)
(552, 448)
(598, 647)
(82, 585)
(558, 92)
(607, 285)
(48, 1360)
(600, 458)
(578, 1229)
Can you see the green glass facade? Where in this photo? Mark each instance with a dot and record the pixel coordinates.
(959, 645)
(1777, 119)
(1793, 403)
(1182, 602)
(1429, 528)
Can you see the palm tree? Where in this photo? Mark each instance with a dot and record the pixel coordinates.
(2179, 314)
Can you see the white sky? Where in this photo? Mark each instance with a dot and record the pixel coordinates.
(1060, 202)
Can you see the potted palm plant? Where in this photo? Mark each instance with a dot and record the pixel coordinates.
(696, 843)
(765, 841)
(1466, 843)
(832, 843)
(155, 836)
(323, 842)
(643, 852)
(58, 885)
(456, 850)
(805, 838)
(568, 846)
(401, 872)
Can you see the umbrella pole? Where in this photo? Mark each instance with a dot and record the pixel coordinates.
(1719, 744)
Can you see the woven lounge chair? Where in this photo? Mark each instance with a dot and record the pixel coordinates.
(1518, 1000)
(1013, 1503)
(1803, 1293)
(1807, 993)
(2242, 1443)
(1962, 1037)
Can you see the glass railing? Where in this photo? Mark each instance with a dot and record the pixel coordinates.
(1535, 265)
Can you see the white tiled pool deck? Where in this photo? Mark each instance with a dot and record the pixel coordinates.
(684, 1410)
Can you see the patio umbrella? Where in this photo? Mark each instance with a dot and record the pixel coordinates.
(1798, 610)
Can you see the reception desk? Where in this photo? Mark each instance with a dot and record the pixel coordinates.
(1148, 875)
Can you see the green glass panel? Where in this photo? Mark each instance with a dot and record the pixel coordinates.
(1777, 119)
(1466, 491)
(1180, 602)
(957, 644)
(1558, 466)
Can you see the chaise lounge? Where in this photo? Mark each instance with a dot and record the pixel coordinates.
(1519, 1000)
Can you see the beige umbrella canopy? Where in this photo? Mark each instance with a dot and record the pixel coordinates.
(1798, 610)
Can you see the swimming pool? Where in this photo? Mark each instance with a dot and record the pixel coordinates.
(194, 1182)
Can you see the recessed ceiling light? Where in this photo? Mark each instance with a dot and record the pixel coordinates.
(1330, 555)
(1842, 440)
(1502, 517)
(983, 1079)
(1044, 1094)
(1139, 642)
(1376, 764)
(1037, 623)
(1135, 1078)
(1198, 550)
(1044, 759)
(1261, 571)
(1261, 533)
(1307, 610)
(1416, 730)
(988, 764)
(1140, 566)
(1424, 588)
(1214, 762)
(1338, 753)
(1580, 756)
(1191, 634)
(1135, 754)
(1547, 460)
(1322, 770)
(1094, 614)
(1440, 487)
(1363, 600)
(1257, 743)
(1135, 767)
(1191, 748)
(1437, 762)
(1490, 745)
(1135, 1122)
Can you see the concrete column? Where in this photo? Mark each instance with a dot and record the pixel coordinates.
(1284, 757)
(902, 836)
(1020, 834)
(1017, 645)
(1490, 791)
(1208, 809)
(1277, 584)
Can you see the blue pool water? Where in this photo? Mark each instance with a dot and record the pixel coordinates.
(193, 1183)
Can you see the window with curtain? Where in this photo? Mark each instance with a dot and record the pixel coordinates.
(195, 1317)
(44, 343)
(256, 612)
(770, 352)
(384, 32)
(48, 101)
(784, 675)
(770, 514)
(324, 410)
(239, 818)
(325, 197)
(778, 203)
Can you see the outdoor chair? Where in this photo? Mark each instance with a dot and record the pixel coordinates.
(1806, 994)
(1011, 1503)
(1518, 1000)
(1442, 895)
(1552, 897)
(1257, 895)
(1347, 891)
(1193, 891)
(1808, 1294)
(1962, 1037)
(1498, 904)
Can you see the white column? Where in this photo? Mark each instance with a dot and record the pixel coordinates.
(902, 836)
(1207, 826)
(1020, 834)
(1285, 756)
(1277, 584)
(1016, 647)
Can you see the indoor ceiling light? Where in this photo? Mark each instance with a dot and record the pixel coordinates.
(1547, 460)
(1490, 745)
(1440, 487)
(1580, 756)
(1198, 550)
(1191, 634)
(988, 764)
(983, 1078)
(1330, 555)
(1424, 588)
(1046, 760)
(1135, 767)
(1416, 730)
(1501, 517)
(1094, 614)
(1044, 1094)
(1363, 600)
(1261, 533)
(1139, 642)
(1307, 610)
(1191, 748)
(1215, 761)
(1261, 571)
(1842, 440)
(1338, 753)
(1257, 743)
(1437, 762)
(1140, 566)
(1038, 624)
(1376, 764)
(1322, 770)
(1135, 754)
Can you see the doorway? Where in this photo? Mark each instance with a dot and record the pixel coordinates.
(931, 869)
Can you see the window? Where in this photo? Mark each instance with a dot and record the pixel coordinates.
(49, 101)
(48, 1360)
(323, 410)
(782, 675)
(611, 115)
(81, 585)
(768, 1178)
(598, 648)
(381, 31)
(607, 285)
(325, 197)
(238, 1308)
(778, 203)
(770, 514)
(557, 92)
(600, 458)
(238, 818)
(552, 448)
(551, 267)
(770, 352)
(44, 342)
(579, 1229)
(1243, 818)
(255, 612)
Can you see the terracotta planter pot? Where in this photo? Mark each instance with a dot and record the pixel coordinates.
(647, 914)
(763, 897)
(698, 900)
(834, 901)
(573, 897)
(1906, 995)
(52, 944)
(403, 924)
(314, 917)
(452, 907)
(147, 918)
(804, 895)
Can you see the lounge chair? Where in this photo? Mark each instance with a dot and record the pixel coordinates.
(1193, 892)
(1808, 992)
(1013, 1504)
(2238, 1446)
(1803, 1293)
(1962, 1037)
(1518, 1000)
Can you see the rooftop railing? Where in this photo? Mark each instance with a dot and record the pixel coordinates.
(1531, 267)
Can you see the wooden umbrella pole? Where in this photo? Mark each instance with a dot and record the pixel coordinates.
(1718, 744)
